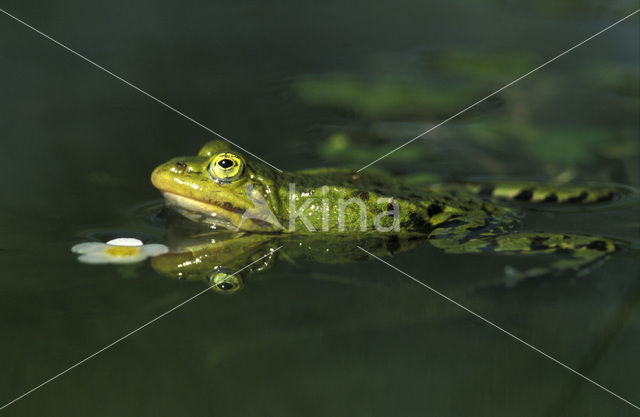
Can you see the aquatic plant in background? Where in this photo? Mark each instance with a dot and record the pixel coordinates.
(552, 125)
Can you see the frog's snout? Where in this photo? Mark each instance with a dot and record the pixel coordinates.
(164, 174)
(156, 176)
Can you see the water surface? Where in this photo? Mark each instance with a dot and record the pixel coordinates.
(311, 339)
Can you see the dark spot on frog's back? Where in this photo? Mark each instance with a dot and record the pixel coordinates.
(579, 198)
(434, 209)
(551, 198)
(537, 243)
(524, 195)
(416, 222)
(362, 195)
(600, 245)
(486, 190)
(488, 210)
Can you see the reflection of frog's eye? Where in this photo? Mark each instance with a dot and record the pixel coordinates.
(224, 283)
(225, 167)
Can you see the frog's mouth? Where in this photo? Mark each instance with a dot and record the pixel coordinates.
(196, 210)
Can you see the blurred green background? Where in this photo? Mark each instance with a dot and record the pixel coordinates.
(306, 84)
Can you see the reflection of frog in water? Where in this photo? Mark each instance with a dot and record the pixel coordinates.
(219, 187)
(215, 255)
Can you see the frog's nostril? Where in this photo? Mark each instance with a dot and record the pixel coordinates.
(180, 166)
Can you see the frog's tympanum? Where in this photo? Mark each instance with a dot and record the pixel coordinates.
(223, 189)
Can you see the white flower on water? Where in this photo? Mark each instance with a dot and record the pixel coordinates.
(123, 250)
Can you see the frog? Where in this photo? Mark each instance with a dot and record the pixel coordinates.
(222, 188)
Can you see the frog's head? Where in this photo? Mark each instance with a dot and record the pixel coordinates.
(219, 186)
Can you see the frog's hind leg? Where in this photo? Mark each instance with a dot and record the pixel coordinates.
(544, 193)
(579, 251)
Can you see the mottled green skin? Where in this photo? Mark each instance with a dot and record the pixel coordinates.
(459, 218)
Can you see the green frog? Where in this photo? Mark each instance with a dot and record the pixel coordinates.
(223, 189)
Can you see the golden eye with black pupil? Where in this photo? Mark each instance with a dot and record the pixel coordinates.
(225, 167)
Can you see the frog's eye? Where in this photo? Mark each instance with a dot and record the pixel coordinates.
(225, 283)
(225, 167)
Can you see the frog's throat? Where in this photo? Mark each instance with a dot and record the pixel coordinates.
(201, 211)
(220, 214)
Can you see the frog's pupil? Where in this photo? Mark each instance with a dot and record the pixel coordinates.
(225, 163)
(225, 286)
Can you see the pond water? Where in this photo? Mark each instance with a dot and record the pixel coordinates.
(302, 85)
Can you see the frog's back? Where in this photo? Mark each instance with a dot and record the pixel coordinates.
(352, 201)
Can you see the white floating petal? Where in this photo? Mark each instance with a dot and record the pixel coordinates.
(154, 249)
(88, 247)
(125, 241)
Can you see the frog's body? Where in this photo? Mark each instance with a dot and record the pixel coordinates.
(220, 187)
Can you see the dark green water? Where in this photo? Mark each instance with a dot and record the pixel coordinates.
(310, 339)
